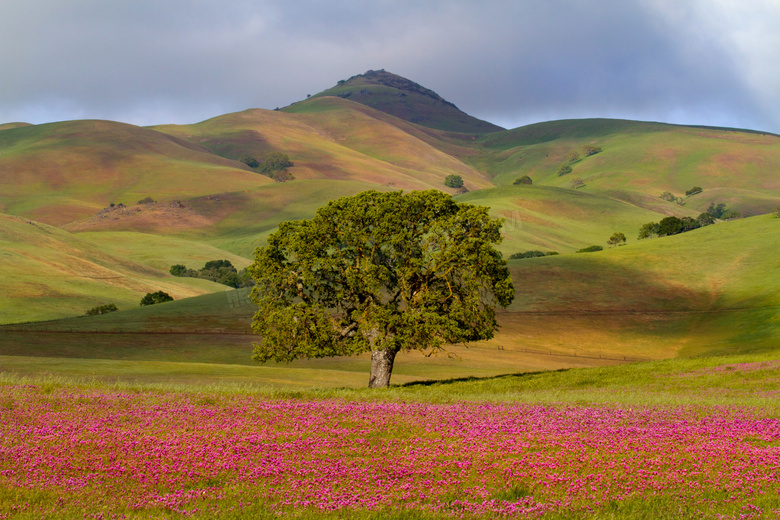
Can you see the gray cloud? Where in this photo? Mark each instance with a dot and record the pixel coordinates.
(511, 62)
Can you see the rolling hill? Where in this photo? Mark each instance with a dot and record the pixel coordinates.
(64, 248)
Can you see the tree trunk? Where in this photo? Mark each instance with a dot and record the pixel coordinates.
(381, 367)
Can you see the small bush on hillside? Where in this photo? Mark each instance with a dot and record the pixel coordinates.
(146, 200)
(219, 271)
(590, 149)
(275, 162)
(590, 249)
(730, 214)
(564, 170)
(576, 183)
(617, 239)
(776, 212)
(572, 157)
(282, 176)
(156, 297)
(705, 219)
(526, 254)
(648, 230)
(525, 179)
(670, 226)
(453, 181)
(101, 309)
(178, 270)
(693, 191)
(249, 160)
(716, 210)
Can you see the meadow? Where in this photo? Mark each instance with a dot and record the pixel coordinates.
(667, 439)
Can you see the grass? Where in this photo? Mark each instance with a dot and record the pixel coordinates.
(50, 273)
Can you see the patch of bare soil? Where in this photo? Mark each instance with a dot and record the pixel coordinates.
(152, 217)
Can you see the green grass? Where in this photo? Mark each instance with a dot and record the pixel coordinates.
(49, 273)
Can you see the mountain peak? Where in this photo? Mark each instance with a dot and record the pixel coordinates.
(407, 100)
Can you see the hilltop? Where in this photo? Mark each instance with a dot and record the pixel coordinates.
(405, 100)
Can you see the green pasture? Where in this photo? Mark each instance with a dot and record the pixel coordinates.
(50, 273)
(637, 157)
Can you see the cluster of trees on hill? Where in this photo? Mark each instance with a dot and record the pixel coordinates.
(532, 254)
(525, 179)
(453, 181)
(574, 157)
(156, 297)
(273, 165)
(101, 309)
(669, 196)
(220, 271)
(675, 225)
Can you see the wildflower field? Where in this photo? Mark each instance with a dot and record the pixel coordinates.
(113, 451)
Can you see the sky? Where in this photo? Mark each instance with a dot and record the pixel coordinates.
(510, 62)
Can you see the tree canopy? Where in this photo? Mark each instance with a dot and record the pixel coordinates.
(380, 273)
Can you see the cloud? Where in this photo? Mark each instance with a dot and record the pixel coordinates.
(508, 61)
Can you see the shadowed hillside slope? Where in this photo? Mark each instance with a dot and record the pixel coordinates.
(406, 100)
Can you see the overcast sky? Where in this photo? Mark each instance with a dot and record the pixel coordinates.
(511, 62)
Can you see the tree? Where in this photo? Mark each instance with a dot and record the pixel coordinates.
(101, 309)
(776, 212)
(590, 149)
(668, 195)
(275, 162)
(572, 157)
(453, 181)
(146, 200)
(379, 273)
(648, 230)
(525, 179)
(705, 219)
(564, 170)
(155, 297)
(693, 191)
(576, 183)
(590, 249)
(670, 226)
(617, 239)
(178, 270)
(249, 160)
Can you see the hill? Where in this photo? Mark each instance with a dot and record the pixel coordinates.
(639, 161)
(712, 291)
(406, 100)
(50, 273)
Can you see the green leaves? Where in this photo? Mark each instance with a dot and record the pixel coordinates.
(379, 271)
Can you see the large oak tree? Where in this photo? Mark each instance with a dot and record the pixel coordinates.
(379, 273)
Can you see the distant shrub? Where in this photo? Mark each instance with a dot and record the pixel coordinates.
(156, 297)
(525, 179)
(576, 183)
(564, 170)
(705, 219)
(590, 249)
(101, 309)
(178, 270)
(275, 162)
(146, 200)
(453, 181)
(526, 254)
(617, 239)
(693, 191)
(282, 176)
(648, 230)
(670, 226)
(217, 264)
(572, 157)
(590, 149)
(730, 214)
(249, 160)
(552, 253)
(776, 212)
(716, 210)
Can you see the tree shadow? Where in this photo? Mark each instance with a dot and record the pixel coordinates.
(471, 379)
